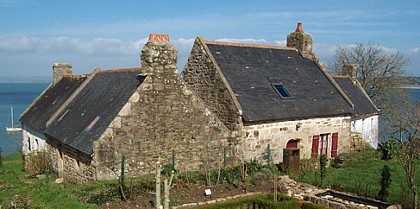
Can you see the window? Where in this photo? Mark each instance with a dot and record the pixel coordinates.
(29, 144)
(319, 145)
(323, 144)
(282, 91)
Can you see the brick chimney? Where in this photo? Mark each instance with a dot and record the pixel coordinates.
(350, 71)
(60, 70)
(158, 56)
(301, 41)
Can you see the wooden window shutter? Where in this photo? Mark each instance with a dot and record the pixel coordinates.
(315, 146)
(334, 145)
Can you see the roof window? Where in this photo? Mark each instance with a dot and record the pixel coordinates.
(282, 91)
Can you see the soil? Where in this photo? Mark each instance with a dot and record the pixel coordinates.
(184, 194)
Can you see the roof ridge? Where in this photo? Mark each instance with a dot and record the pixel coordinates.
(120, 70)
(249, 45)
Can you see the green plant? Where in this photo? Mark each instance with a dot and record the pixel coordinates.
(167, 169)
(322, 169)
(385, 182)
(389, 149)
(306, 166)
(173, 202)
(253, 167)
(337, 162)
(260, 176)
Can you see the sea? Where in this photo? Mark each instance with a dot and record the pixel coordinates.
(20, 96)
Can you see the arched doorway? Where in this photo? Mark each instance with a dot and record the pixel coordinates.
(293, 143)
(291, 156)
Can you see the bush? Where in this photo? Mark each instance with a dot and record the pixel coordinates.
(36, 163)
(389, 149)
(337, 162)
(385, 182)
(260, 176)
(323, 168)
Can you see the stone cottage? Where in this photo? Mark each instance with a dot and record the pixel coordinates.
(274, 97)
(34, 119)
(365, 115)
(140, 113)
(242, 100)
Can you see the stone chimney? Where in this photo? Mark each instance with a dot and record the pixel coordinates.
(301, 41)
(60, 70)
(350, 71)
(158, 56)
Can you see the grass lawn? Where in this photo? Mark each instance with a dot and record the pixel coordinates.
(27, 192)
(361, 175)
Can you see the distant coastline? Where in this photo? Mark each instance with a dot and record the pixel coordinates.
(411, 87)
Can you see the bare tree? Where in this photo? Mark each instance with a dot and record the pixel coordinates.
(410, 153)
(403, 125)
(377, 70)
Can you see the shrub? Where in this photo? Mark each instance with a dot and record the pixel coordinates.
(337, 162)
(167, 170)
(267, 172)
(260, 176)
(36, 163)
(322, 168)
(389, 149)
(385, 182)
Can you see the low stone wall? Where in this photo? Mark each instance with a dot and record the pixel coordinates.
(219, 200)
(311, 193)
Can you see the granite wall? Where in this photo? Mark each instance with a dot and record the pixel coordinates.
(202, 75)
(162, 117)
(277, 134)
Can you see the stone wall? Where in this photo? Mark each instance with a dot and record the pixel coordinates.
(201, 74)
(161, 117)
(69, 164)
(257, 137)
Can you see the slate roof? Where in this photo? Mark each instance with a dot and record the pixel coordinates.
(362, 104)
(89, 114)
(251, 69)
(36, 116)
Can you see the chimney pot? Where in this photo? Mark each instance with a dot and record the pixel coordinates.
(299, 27)
(159, 37)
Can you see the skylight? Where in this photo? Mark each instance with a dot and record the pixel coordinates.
(282, 91)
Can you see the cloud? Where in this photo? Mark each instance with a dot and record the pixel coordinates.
(20, 52)
(18, 44)
(414, 50)
(21, 44)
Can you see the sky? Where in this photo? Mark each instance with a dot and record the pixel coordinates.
(110, 34)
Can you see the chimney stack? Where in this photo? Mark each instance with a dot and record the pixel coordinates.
(61, 70)
(350, 71)
(301, 41)
(158, 56)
